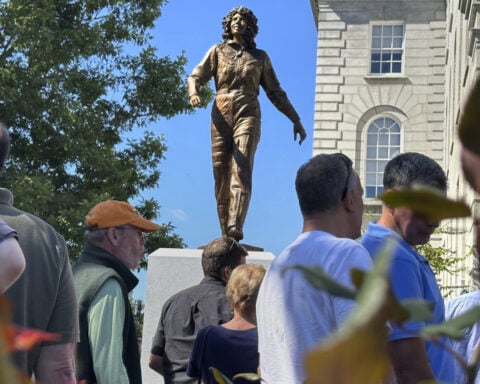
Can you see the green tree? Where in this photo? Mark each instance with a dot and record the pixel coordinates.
(80, 84)
(440, 258)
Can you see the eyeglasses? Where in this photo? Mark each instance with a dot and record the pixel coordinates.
(348, 164)
(139, 232)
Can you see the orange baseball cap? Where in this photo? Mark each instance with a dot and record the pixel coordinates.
(113, 213)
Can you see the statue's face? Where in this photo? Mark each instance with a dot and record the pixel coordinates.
(238, 25)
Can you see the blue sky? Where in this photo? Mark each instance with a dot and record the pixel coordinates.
(185, 192)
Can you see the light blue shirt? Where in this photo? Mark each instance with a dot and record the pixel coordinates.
(466, 346)
(412, 278)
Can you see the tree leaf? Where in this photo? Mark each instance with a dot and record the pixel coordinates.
(453, 328)
(418, 310)
(427, 202)
(247, 376)
(219, 377)
(468, 128)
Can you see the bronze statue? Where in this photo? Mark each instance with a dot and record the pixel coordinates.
(239, 69)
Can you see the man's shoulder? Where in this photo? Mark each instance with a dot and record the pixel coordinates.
(463, 302)
(26, 221)
(196, 291)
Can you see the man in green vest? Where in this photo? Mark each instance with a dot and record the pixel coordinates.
(114, 245)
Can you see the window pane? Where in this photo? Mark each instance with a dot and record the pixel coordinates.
(375, 56)
(380, 189)
(375, 68)
(387, 42)
(383, 139)
(370, 191)
(386, 56)
(395, 139)
(376, 43)
(385, 67)
(371, 152)
(397, 55)
(376, 30)
(398, 30)
(389, 122)
(383, 152)
(382, 164)
(387, 30)
(396, 67)
(379, 178)
(371, 179)
(397, 42)
(371, 166)
(371, 139)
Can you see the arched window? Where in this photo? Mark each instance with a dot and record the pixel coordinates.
(383, 142)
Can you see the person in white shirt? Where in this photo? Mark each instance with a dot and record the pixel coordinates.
(293, 316)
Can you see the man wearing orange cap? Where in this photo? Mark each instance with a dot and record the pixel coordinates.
(114, 245)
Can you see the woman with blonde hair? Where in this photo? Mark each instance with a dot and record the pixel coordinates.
(231, 347)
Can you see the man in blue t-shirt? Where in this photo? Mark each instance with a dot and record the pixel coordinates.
(413, 359)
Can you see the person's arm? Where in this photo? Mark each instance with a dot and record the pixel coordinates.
(155, 362)
(12, 262)
(279, 98)
(106, 317)
(157, 351)
(56, 364)
(410, 361)
(201, 74)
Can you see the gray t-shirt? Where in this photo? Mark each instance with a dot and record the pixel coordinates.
(43, 297)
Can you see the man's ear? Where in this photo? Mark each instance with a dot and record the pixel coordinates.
(226, 273)
(112, 235)
(349, 200)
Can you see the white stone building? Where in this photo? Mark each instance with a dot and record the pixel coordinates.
(391, 77)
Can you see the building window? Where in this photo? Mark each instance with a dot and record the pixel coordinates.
(383, 143)
(386, 55)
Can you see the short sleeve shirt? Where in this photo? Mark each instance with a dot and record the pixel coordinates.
(412, 278)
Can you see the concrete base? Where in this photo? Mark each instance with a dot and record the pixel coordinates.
(170, 270)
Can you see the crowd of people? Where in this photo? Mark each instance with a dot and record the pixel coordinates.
(240, 318)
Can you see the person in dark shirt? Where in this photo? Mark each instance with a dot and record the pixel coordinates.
(189, 310)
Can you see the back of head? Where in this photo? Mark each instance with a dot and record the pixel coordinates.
(412, 167)
(220, 253)
(243, 286)
(321, 182)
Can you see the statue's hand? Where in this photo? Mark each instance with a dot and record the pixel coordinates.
(298, 130)
(195, 100)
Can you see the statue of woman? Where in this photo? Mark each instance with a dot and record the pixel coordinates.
(239, 69)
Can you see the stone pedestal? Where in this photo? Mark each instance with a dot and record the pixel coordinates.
(170, 270)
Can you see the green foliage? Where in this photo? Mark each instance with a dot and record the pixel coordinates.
(441, 259)
(79, 84)
(425, 201)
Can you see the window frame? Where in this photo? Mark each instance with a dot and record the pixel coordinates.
(392, 151)
(384, 50)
